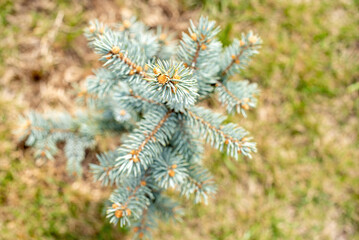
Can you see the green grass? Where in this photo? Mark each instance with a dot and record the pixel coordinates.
(303, 183)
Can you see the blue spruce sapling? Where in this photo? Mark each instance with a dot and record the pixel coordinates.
(148, 90)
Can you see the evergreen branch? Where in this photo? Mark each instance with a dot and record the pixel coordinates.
(199, 50)
(166, 208)
(88, 98)
(208, 124)
(154, 131)
(146, 142)
(198, 42)
(195, 182)
(142, 229)
(195, 58)
(122, 56)
(133, 194)
(147, 221)
(129, 201)
(100, 84)
(141, 34)
(238, 54)
(134, 68)
(172, 84)
(186, 143)
(219, 84)
(144, 99)
(169, 169)
(166, 44)
(200, 183)
(45, 148)
(138, 82)
(136, 98)
(143, 221)
(53, 130)
(238, 96)
(43, 135)
(94, 30)
(27, 127)
(219, 135)
(235, 59)
(74, 149)
(35, 127)
(106, 172)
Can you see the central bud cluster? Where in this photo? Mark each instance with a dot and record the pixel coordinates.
(173, 84)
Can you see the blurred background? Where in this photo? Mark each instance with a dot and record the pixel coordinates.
(302, 184)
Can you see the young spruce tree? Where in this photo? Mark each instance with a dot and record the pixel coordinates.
(150, 89)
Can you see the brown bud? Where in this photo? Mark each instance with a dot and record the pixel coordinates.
(27, 124)
(131, 72)
(156, 71)
(237, 61)
(194, 37)
(135, 159)
(115, 205)
(227, 141)
(143, 183)
(92, 29)
(118, 213)
(176, 76)
(133, 152)
(162, 79)
(171, 173)
(174, 166)
(241, 43)
(126, 24)
(233, 56)
(141, 235)
(252, 39)
(146, 67)
(122, 112)
(203, 47)
(245, 106)
(128, 212)
(82, 93)
(135, 229)
(162, 36)
(115, 49)
(139, 69)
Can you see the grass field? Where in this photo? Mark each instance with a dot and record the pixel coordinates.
(302, 184)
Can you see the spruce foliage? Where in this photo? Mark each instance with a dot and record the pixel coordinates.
(149, 90)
